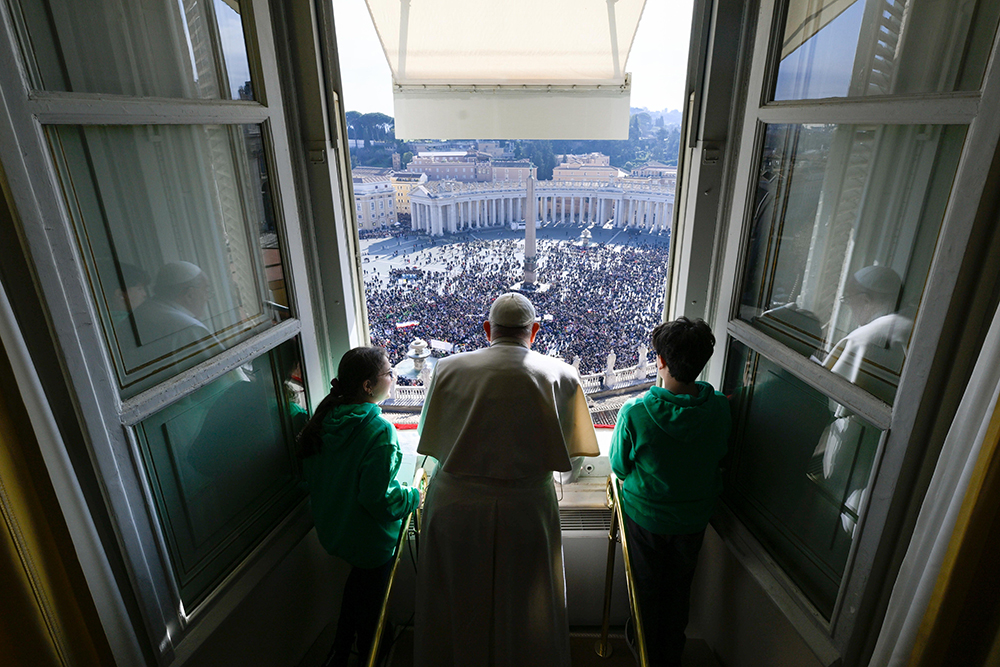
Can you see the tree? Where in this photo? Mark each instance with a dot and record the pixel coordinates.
(406, 159)
(645, 124)
(380, 125)
(672, 146)
(352, 124)
(543, 158)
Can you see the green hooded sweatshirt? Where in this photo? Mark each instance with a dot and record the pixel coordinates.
(357, 503)
(667, 448)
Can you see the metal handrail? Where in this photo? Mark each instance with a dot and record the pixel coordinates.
(603, 648)
(419, 482)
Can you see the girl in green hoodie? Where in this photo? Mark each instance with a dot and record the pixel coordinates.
(351, 457)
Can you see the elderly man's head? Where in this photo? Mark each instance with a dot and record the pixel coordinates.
(511, 316)
(184, 284)
(872, 292)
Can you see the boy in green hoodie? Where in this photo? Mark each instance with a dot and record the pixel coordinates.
(666, 449)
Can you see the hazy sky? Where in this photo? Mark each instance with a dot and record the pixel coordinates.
(658, 61)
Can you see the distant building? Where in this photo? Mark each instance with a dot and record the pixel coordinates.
(397, 161)
(371, 172)
(403, 182)
(656, 170)
(448, 207)
(512, 170)
(374, 201)
(492, 148)
(589, 167)
(462, 166)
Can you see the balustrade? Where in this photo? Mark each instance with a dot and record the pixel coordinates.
(609, 379)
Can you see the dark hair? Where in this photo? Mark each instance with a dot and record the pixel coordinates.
(684, 346)
(357, 366)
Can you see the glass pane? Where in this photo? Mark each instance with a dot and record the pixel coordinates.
(158, 48)
(844, 225)
(178, 231)
(800, 493)
(852, 48)
(222, 468)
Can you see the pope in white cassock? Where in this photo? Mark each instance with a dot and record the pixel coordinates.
(499, 421)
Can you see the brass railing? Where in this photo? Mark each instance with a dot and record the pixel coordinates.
(616, 533)
(419, 482)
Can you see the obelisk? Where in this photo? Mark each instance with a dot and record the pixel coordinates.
(529, 236)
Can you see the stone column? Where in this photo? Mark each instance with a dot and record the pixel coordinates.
(530, 259)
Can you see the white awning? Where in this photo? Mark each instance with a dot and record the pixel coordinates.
(508, 69)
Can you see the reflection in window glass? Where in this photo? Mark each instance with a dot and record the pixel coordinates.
(798, 484)
(854, 48)
(178, 230)
(844, 225)
(164, 48)
(221, 466)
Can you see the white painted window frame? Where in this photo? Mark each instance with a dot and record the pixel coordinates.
(842, 634)
(105, 419)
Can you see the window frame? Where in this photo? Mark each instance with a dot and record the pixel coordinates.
(900, 447)
(327, 308)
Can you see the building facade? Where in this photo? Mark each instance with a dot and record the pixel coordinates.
(462, 166)
(585, 168)
(375, 201)
(443, 207)
(403, 183)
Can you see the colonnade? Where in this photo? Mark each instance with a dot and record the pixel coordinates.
(461, 214)
(449, 208)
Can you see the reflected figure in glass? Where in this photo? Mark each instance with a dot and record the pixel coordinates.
(173, 319)
(877, 345)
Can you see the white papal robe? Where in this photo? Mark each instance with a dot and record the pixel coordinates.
(490, 585)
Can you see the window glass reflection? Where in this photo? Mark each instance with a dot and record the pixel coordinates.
(854, 48)
(163, 48)
(798, 483)
(845, 220)
(179, 232)
(221, 465)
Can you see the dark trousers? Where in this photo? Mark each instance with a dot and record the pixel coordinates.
(662, 568)
(359, 611)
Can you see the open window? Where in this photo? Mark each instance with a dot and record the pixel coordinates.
(845, 186)
(163, 225)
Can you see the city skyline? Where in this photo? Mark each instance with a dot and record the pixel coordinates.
(661, 41)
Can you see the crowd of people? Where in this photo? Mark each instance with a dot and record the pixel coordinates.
(602, 298)
(394, 232)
